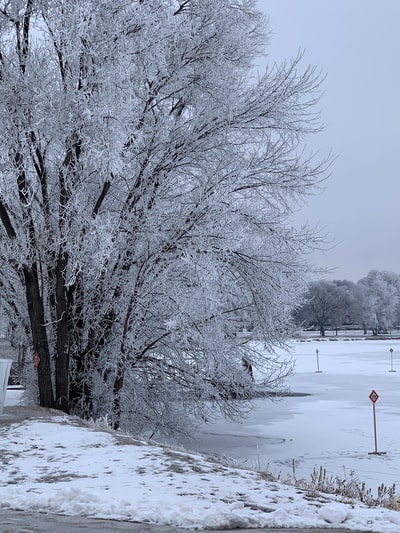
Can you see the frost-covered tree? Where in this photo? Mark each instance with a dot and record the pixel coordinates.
(378, 295)
(146, 179)
(325, 306)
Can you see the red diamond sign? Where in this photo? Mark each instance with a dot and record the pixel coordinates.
(373, 396)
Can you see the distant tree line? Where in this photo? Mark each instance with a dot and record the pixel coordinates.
(371, 304)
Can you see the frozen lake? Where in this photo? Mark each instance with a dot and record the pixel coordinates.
(333, 427)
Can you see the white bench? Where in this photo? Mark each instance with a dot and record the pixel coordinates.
(5, 366)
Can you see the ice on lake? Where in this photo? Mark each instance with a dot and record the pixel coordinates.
(333, 426)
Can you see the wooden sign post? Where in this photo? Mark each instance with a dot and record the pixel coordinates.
(374, 397)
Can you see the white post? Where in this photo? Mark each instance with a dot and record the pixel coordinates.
(391, 360)
(318, 371)
(375, 437)
(5, 366)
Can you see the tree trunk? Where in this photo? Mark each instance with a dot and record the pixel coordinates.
(118, 384)
(119, 378)
(81, 355)
(62, 344)
(249, 368)
(39, 336)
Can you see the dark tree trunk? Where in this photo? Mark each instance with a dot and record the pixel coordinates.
(117, 388)
(79, 389)
(119, 378)
(39, 336)
(249, 368)
(80, 354)
(62, 343)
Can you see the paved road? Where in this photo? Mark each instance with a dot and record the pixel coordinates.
(21, 522)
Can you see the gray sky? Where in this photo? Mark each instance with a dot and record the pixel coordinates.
(356, 43)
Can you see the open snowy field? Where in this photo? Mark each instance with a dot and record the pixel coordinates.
(57, 464)
(333, 426)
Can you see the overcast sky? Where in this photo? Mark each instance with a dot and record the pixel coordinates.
(356, 43)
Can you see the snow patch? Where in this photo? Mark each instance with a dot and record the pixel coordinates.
(334, 513)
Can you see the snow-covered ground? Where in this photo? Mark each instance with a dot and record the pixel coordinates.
(58, 465)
